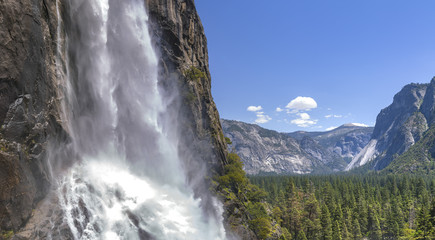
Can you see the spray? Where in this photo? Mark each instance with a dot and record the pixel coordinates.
(129, 182)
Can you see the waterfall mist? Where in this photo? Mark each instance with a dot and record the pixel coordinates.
(128, 180)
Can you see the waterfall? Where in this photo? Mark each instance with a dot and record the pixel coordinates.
(128, 181)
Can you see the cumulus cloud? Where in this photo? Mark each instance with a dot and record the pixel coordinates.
(254, 108)
(334, 116)
(262, 118)
(304, 116)
(278, 109)
(301, 104)
(330, 128)
(304, 120)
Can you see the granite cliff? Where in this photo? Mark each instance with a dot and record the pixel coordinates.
(267, 151)
(30, 109)
(398, 127)
(32, 115)
(347, 140)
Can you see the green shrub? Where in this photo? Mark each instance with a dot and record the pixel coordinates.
(194, 74)
(261, 227)
(234, 177)
(7, 235)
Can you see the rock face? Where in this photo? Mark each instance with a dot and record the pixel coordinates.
(398, 127)
(347, 140)
(418, 133)
(264, 151)
(32, 45)
(180, 38)
(29, 106)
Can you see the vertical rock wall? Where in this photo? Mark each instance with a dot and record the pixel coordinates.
(29, 105)
(180, 38)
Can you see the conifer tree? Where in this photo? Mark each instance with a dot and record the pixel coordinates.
(376, 232)
(356, 230)
(301, 236)
(424, 223)
(312, 214)
(325, 220)
(336, 231)
(345, 232)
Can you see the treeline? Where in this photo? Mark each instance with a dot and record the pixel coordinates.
(346, 206)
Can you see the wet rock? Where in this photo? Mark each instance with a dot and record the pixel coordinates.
(29, 101)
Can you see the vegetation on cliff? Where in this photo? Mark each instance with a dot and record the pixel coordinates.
(419, 157)
(245, 205)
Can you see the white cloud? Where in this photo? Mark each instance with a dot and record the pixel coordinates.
(334, 116)
(254, 108)
(278, 109)
(262, 118)
(304, 116)
(330, 128)
(304, 120)
(360, 124)
(301, 104)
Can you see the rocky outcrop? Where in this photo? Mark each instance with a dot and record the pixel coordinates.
(29, 106)
(398, 127)
(267, 151)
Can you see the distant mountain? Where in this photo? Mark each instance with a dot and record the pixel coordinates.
(401, 137)
(347, 140)
(265, 151)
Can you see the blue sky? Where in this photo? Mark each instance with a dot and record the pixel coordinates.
(344, 59)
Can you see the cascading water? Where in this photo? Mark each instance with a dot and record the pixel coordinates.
(128, 182)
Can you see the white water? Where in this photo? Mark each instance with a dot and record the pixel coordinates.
(128, 182)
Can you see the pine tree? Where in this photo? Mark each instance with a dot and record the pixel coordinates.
(424, 224)
(294, 218)
(348, 222)
(301, 235)
(432, 212)
(345, 232)
(376, 232)
(356, 230)
(392, 221)
(312, 213)
(336, 231)
(325, 220)
(361, 209)
(285, 234)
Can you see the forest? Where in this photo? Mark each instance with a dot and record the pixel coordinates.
(351, 206)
